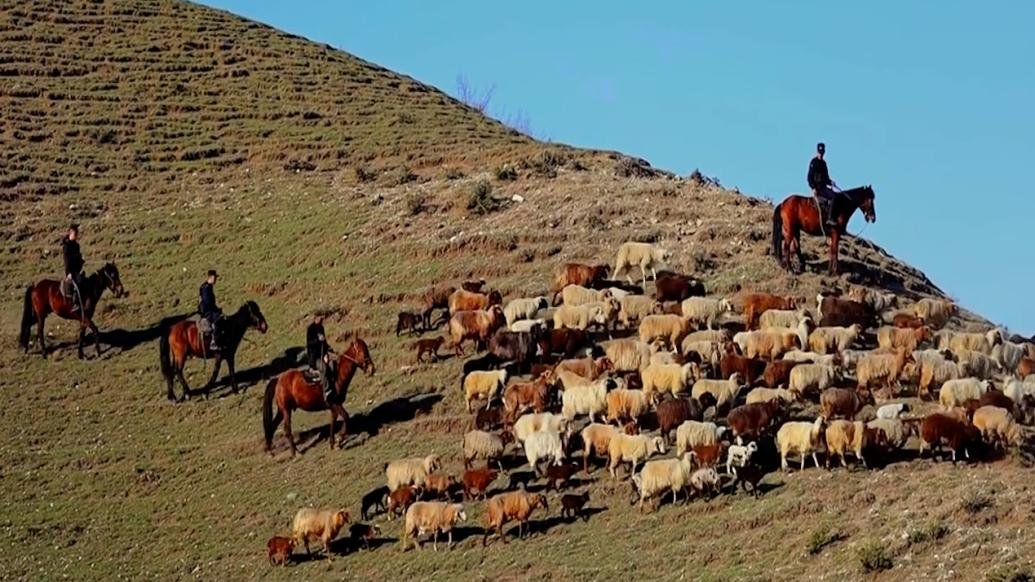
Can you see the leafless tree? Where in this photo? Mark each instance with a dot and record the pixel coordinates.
(471, 96)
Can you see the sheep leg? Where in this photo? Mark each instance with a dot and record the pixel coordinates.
(450, 536)
(803, 457)
(434, 540)
(815, 460)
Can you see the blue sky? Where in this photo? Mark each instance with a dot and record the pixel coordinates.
(931, 102)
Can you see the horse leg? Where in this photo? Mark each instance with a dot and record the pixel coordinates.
(339, 410)
(287, 432)
(82, 336)
(233, 376)
(39, 336)
(96, 336)
(835, 239)
(183, 381)
(330, 431)
(215, 374)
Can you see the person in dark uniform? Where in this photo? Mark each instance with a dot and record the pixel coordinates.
(73, 258)
(823, 188)
(318, 356)
(209, 309)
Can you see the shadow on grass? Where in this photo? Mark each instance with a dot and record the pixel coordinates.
(126, 340)
(251, 376)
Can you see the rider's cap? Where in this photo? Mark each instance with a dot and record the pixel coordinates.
(212, 273)
(821, 147)
(74, 226)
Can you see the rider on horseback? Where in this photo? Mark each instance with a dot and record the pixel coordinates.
(210, 312)
(73, 284)
(823, 188)
(318, 355)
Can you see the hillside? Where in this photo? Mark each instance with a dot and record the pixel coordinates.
(184, 138)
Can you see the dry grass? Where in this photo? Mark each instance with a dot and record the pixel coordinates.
(183, 139)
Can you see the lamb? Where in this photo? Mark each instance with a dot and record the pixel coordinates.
(844, 435)
(669, 328)
(883, 369)
(436, 297)
(895, 432)
(573, 505)
(312, 523)
(575, 295)
(693, 433)
(524, 308)
(672, 412)
(724, 391)
(428, 346)
(738, 456)
(840, 401)
(667, 378)
(476, 482)
(705, 480)
(935, 312)
(374, 499)
(626, 405)
(558, 476)
(524, 395)
(782, 318)
(279, 550)
(511, 506)
(806, 378)
(706, 310)
(891, 411)
(363, 533)
(997, 425)
(895, 337)
(588, 399)
(663, 475)
(709, 352)
(407, 321)
(800, 438)
(824, 340)
(644, 255)
(413, 471)
(627, 355)
(432, 516)
(955, 392)
(596, 440)
(977, 364)
(543, 445)
(767, 394)
(530, 424)
(479, 444)
(400, 499)
(487, 385)
(750, 421)
(635, 307)
(632, 449)
(938, 427)
(488, 418)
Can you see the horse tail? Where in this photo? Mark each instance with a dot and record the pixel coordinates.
(269, 422)
(28, 319)
(778, 233)
(164, 356)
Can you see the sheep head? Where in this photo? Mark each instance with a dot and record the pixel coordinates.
(658, 445)
(340, 518)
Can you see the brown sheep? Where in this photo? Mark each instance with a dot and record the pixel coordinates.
(907, 338)
(401, 499)
(475, 325)
(558, 476)
(435, 298)
(462, 300)
(750, 421)
(670, 286)
(778, 373)
(843, 402)
(707, 455)
(363, 533)
(473, 286)
(957, 434)
(672, 412)
(477, 481)
(1025, 368)
(755, 304)
(574, 504)
(750, 369)
(410, 322)
(324, 524)
(907, 320)
(838, 312)
(577, 274)
(588, 368)
(279, 550)
(437, 486)
(429, 346)
(511, 506)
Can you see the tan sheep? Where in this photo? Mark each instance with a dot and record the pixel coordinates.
(412, 471)
(586, 315)
(479, 444)
(977, 364)
(773, 342)
(789, 318)
(895, 431)
(693, 433)
(824, 340)
(324, 524)
(724, 391)
(634, 308)
(800, 438)
(935, 373)
(575, 295)
(710, 352)
(624, 404)
(529, 424)
(884, 369)
(524, 308)
(644, 255)
(719, 336)
(596, 440)
(897, 337)
(854, 436)
(667, 327)
(663, 475)
(672, 378)
(632, 449)
(706, 310)
(627, 355)
(484, 385)
(815, 378)
(997, 426)
(935, 312)
(586, 399)
(957, 342)
(766, 394)
(431, 516)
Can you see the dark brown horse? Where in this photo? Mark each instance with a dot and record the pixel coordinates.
(291, 391)
(183, 341)
(45, 298)
(799, 213)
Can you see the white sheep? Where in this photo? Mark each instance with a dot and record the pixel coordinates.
(710, 352)
(543, 445)
(586, 399)
(935, 312)
(894, 430)
(758, 395)
(692, 433)
(811, 357)
(627, 354)
(955, 392)
(528, 325)
(661, 357)
(484, 384)
(431, 516)
(790, 318)
(644, 255)
(957, 341)
(719, 336)
(632, 449)
(824, 340)
(531, 423)
(892, 411)
(584, 316)
(800, 438)
(413, 471)
(673, 378)
(724, 391)
(575, 295)
(1008, 355)
(705, 480)
(706, 310)
(1016, 390)
(524, 308)
(977, 364)
(479, 444)
(738, 456)
(772, 343)
(663, 475)
(634, 308)
(812, 378)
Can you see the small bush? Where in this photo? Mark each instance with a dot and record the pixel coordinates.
(364, 175)
(546, 162)
(929, 533)
(481, 200)
(416, 203)
(403, 176)
(454, 174)
(627, 167)
(1010, 574)
(822, 538)
(975, 501)
(873, 557)
(506, 172)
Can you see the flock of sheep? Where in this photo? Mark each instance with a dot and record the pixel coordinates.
(603, 370)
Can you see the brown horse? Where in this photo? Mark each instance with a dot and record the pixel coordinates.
(183, 341)
(799, 213)
(291, 391)
(45, 298)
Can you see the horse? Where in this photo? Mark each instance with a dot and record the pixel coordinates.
(183, 341)
(799, 213)
(45, 297)
(291, 391)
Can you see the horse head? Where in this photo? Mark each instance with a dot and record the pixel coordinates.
(358, 353)
(866, 204)
(110, 276)
(255, 317)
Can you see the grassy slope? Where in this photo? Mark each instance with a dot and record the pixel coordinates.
(137, 119)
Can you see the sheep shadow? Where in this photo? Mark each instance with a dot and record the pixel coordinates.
(346, 545)
(587, 513)
(126, 340)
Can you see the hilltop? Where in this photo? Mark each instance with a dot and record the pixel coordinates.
(185, 138)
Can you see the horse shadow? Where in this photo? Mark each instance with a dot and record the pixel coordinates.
(251, 376)
(126, 340)
(368, 423)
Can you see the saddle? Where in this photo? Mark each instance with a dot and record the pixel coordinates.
(312, 375)
(67, 288)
